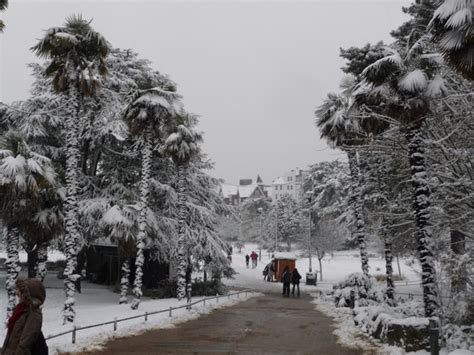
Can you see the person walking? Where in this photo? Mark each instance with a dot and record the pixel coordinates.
(286, 278)
(254, 258)
(295, 280)
(273, 268)
(265, 272)
(247, 259)
(24, 336)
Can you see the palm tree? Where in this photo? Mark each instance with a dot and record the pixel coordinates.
(341, 130)
(182, 145)
(24, 176)
(147, 114)
(453, 30)
(402, 86)
(77, 61)
(3, 6)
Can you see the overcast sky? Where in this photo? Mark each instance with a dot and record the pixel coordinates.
(253, 71)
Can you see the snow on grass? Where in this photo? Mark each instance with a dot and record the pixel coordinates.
(98, 304)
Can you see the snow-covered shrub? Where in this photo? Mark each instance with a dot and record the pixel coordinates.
(457, 337)
(359, 284)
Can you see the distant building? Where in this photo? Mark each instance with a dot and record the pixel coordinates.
(236, 194)
(290, 183)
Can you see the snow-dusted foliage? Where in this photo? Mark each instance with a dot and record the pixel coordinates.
(352, 291)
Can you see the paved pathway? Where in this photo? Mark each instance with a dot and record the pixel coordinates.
(270, 324)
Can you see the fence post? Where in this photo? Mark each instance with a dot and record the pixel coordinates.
(228, 296)
(238, 294)
(352, 300)
(245, 293)
(204, 301)
(171, 308)
(74, 335)
(217, 298)
(434, 337)
(146, 316)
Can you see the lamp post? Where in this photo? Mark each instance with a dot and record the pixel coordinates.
(260, 213)
(309, 196)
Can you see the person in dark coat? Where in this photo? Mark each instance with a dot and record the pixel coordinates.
(24, 325)
(295, 280)
(247, 259)
(286, 278)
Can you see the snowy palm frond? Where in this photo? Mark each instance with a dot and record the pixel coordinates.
(436, 87)
(413, 81)
(452, 40)
(378, 71)
(449, 7)
(460, 18)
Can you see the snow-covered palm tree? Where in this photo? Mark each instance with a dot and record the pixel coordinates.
(76, 56)
(401, 86)
(23, 177)
(148, 113)
(454, 32)
(341, 129)
(3, 6)
(182, 145)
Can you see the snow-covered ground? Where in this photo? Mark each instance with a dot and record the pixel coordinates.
(97, 304)
(336, 267)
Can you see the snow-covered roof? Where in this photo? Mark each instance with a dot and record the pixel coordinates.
(278, 181)
(229, 190)
(283, 255)
(247, 190)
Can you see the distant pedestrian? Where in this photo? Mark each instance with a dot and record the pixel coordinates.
(265, 272)
(247, 259)
(295, 280)
(254, 258)
(273, 269)
(24, 334)
(286, 279)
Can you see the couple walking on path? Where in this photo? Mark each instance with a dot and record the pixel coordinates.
(292, 277)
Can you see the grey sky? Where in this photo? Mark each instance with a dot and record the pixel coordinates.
(254, 71)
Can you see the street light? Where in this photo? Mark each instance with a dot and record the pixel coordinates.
(260, 213)
(309, 196)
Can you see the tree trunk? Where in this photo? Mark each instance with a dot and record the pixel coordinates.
(421, 204)
(384, 230)
(41, 259)
(71, 235)
(320, 269)
(182, 265)
(124, 281)
(31, 260)
(13, 267)
(398, 265)
(459, 277)
(142, 222)
(356, 204)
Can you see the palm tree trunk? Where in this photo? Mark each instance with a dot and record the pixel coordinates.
(41, 259)
(13, 268)
(356, 204)
(421, 205)
(71, 236)
(142, 221)
(384, 230)
(182, 214)
(124, 281)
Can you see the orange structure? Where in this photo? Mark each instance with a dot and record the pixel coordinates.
(282, 261)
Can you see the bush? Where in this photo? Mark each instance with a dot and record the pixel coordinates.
(167, 289)
(359, 284)
(383, 277)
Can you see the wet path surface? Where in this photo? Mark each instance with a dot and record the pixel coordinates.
(270, 324)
